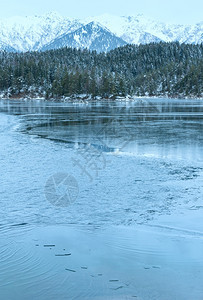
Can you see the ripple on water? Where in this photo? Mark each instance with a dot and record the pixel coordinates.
(117, 260)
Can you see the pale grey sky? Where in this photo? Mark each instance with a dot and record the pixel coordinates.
(171, 11)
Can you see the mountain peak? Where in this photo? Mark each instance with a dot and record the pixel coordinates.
(96, 26)
(92, 36)
(93, 24)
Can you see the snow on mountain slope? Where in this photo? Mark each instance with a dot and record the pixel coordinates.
(133, 28)
(5, 47)
(91, 36)
(126, 28)
(39, 32)
(147, 38)
(31, 33)
(194, 34)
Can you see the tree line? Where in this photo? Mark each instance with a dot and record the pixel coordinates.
(156, 69)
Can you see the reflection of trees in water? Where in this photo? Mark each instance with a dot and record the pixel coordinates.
(109, 120)
(22, 107)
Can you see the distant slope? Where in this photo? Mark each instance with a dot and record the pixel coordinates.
(5, 47)
(91, 36)
(147, 38)
(131, 28)
(33, 32)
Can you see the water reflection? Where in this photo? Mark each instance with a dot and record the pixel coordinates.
(158, 127)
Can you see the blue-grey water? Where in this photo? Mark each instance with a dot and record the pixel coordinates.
(134, 226)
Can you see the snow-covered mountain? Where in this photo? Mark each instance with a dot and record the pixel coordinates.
(32, 33)
(100, 33)
(135, 29)
(91, 36)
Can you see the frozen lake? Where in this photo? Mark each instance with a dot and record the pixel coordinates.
(134, 227)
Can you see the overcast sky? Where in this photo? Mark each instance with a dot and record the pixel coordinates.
(171, 11)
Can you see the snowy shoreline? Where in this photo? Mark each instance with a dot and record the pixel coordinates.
(89, 98)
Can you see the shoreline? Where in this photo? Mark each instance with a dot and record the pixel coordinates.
(86, 99)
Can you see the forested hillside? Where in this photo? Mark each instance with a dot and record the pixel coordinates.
(156, 69)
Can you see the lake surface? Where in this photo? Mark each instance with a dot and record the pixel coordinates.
(130, 212)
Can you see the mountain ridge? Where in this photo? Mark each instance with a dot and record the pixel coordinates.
(34, 33)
